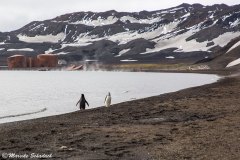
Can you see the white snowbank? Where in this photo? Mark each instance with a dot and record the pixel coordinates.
(91, 60)
(99, 22)
(170, 57)
(40, 39)
(226, 16)
(16, 56)
(235, 23)
(176, 42)
(22, 49)
(122, 52)
(128, 60)
(134, 20)
(234, 46)
(125, 37)
(233, 63)
(112, 19)
(186, 15)
(36, 27)
(62, 53)
(188, 46)
(74, 44)
(50, 50)
(85, 39)
(223, 39)
(211, 16)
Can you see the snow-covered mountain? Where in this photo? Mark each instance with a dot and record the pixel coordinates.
(182, 34)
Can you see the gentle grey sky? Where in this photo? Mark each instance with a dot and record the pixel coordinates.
(17, 13)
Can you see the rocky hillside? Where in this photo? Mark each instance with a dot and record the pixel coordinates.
(183, 34)
(228, 56)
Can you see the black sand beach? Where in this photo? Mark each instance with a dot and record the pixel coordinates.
(195, 123)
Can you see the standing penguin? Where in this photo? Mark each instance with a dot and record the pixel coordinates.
(108, 100)
(82, 101)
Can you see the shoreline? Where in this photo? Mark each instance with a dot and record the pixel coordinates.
(220, 74)
(178, 125)
(100, 105)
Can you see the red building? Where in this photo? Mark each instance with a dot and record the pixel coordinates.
(42, 60)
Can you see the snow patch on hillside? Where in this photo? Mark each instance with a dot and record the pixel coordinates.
(168, 39)
(182, 45)
(234, 46)
(36, 27)
(39, 38)
(186, 15)
(91, 60)
(99, 22)
(62, 53)
(128, 60)
(223, 39)
(49, 51)
(74, 45)
(226, 16)
(22, 49)
(178, 41)
(84, 39)
(125, 37)
(134, 20)
(170, 57)
(233, 63)
(235, 23)
(122, 52)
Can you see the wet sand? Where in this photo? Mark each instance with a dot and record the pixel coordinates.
(195, 123)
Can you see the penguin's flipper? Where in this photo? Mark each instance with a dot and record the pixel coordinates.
(105, 99)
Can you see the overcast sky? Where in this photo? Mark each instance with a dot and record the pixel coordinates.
(17, 13)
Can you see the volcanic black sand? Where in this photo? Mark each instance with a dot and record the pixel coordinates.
(195, 123)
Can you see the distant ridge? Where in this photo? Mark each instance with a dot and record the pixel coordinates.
(186, 33)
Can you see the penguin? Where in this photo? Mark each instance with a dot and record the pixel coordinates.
(108, 100)
(82, 101)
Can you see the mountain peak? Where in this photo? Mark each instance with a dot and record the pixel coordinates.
(185, 5)
(197, 5)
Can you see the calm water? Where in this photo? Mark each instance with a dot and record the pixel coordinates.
(56, 92)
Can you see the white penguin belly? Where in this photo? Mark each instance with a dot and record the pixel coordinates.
(108, 101)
